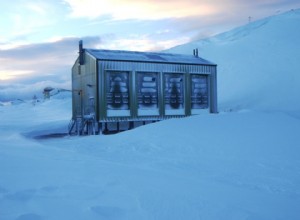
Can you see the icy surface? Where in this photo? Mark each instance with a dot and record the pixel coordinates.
(240, 164)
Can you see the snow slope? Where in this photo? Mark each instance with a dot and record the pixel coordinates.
(258, 64)
(240, 164)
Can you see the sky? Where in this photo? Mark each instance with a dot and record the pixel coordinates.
(39, 38)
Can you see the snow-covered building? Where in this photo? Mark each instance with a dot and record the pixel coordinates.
(119, 90)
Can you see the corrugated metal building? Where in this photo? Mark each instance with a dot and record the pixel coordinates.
(118, 90)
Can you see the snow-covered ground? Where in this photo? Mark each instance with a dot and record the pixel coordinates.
(236, 165)
(240, 164)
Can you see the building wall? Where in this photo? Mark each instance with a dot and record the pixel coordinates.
(76, 90)
(180, 76)
(84, 87)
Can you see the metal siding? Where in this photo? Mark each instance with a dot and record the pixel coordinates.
(76, 90)
(74, 83)
(89, 85)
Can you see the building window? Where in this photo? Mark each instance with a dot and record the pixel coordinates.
(147, 90)
(117, 90)
(174, 92)
(199, 91)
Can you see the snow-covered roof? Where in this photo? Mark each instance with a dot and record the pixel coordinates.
(119, 55)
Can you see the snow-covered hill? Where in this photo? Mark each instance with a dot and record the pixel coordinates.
(258, 64)
(241, 164)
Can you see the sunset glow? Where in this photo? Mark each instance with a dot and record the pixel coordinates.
(12, 74)
(144, 10)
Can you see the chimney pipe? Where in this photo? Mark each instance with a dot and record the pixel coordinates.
(81, 53)
(195, 52)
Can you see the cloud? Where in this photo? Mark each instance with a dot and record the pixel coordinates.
(55, 58)
(25, 21)
(44, 59)
(27, 69)
(37, 8)
(158, 9)
(140, 9)
(11, 74)
(136, 42)
(191, 19)
(34, 21)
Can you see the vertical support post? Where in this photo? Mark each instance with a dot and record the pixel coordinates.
(213, 91)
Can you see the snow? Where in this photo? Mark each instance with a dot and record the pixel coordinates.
(201, 167)
(258, 64)
(145, 57)
(242, 163)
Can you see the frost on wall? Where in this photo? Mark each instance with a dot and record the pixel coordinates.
(199, 91)
(117, 90)
(147, 90)
(174, 93)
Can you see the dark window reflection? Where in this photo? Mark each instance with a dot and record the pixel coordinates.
(117, 90)
(174, 91)
(147, 90)
(199, 93)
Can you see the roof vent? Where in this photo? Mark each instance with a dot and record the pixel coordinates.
(195, 51)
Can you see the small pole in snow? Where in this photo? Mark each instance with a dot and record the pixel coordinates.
(34, 100)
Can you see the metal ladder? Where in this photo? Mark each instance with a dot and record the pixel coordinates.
(82, 125)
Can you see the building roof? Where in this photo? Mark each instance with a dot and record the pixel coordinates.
(119, 55)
